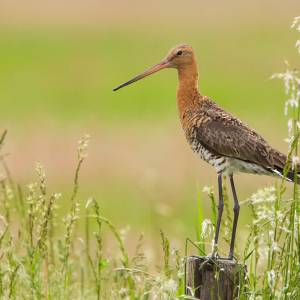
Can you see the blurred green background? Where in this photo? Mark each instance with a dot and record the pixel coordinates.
(59, 61)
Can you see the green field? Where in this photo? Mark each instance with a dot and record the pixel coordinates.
(56, 84)
(58, 67)
(68, 76)
(62, 81)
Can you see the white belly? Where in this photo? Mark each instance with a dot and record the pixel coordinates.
(226, 165)
(234, 165)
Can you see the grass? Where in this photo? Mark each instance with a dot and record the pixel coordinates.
(47, 256)
(40, 261)
(57, 247)
(44, 258)
(66, 78)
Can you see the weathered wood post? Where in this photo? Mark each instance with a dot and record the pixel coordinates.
(214, 279)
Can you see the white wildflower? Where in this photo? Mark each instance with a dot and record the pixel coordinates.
(207, 189)
(89, 202)
(295, 161)
(296, 23)
(275, 247)
(9, 192)
(289, 140)
(297, 45)
(57, 196)
(82, 147)
(253, 296)
(292, 102)
(207, 228)
(40, 170)
(170, 286)
(267, 194)
(271, 279)
(124, 232)
(123, 292)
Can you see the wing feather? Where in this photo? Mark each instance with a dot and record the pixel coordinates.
(226, 135)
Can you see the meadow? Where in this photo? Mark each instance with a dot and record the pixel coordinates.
(56, 85)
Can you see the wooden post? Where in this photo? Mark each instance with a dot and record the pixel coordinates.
(214, 279)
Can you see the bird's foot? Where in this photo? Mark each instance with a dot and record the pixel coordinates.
(231, 254)
(232, 257)
(215, 255)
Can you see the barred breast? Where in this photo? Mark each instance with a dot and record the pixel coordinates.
(217, 161)
(190, 122)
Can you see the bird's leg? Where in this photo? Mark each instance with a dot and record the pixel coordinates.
(236, 210)
(220, 212)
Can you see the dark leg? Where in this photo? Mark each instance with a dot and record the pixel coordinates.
(236, 210)
(220, 212)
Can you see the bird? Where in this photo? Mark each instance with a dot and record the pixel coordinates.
(216, 136)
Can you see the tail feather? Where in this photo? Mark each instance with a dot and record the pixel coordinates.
(280, 162)
(290, 176)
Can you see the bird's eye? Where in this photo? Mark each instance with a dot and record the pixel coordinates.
(179, 52)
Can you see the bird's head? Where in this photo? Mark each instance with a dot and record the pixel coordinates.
(178, 57)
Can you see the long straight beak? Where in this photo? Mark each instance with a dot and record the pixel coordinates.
(162, 65)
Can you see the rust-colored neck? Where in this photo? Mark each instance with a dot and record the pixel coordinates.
(187, 92)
